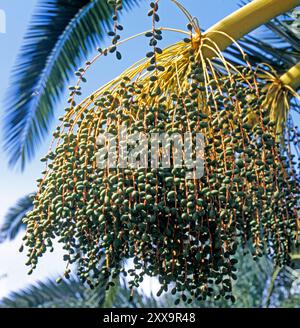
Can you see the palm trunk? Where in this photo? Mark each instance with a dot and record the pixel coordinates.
(246, 19)
(292, 77)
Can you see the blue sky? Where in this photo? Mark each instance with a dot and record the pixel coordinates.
(15, 184)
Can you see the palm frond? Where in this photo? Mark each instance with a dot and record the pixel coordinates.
(61, 34)
(13, 224)
(69, 293)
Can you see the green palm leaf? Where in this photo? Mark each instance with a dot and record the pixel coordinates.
(69, 293)
(61, 34)
(13, 224)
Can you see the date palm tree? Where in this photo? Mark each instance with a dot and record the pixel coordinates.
(251, 46)
(276, 44)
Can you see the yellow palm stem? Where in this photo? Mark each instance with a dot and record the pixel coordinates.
(246, 19)
(292, 77)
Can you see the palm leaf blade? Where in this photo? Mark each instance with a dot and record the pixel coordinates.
(61, 34)
(13, 223)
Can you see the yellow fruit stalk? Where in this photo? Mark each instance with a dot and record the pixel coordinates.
(279, 92)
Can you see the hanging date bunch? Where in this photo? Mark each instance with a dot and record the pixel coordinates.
(185, 230)
(282, 102)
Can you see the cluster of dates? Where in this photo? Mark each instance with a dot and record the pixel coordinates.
(182, 230)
